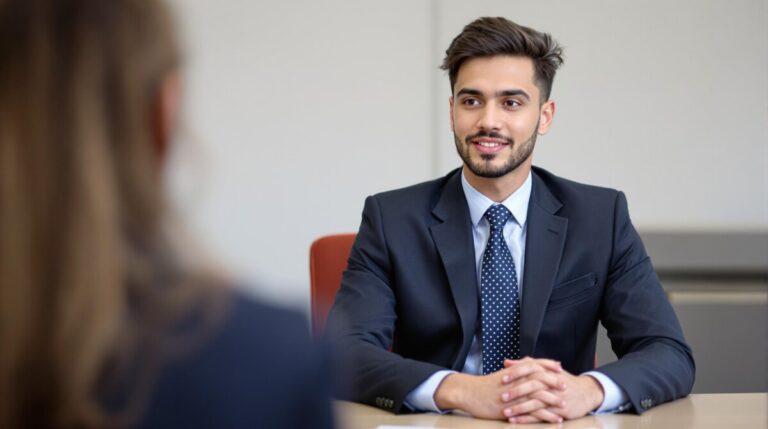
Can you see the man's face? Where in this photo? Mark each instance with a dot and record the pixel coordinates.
(496, 114)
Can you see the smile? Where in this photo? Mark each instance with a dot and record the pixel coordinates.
(490, 144)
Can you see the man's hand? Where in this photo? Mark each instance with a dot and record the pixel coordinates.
(531, 402)
(488, 396)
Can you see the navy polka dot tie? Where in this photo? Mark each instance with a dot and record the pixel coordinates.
(500, 298)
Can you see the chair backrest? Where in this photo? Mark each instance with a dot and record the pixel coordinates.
(327, 261)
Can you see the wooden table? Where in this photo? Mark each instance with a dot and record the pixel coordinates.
(701, 411)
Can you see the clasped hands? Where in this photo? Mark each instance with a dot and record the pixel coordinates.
(526, 391)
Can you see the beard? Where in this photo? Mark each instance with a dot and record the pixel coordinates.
(483, 167)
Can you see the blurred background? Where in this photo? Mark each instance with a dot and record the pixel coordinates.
(297, 110)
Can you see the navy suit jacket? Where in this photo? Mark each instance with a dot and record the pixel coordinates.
(258, 370)
(408, 305)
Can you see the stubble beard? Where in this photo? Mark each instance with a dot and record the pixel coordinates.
(484, 166)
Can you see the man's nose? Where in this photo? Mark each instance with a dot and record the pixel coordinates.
(489, 118)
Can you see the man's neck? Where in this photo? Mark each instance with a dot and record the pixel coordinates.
(499, 189)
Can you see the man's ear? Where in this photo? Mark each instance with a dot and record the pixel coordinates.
(450, 104)
(546, 115)
(165, 112)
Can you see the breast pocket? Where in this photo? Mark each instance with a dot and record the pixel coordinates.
(572, 291)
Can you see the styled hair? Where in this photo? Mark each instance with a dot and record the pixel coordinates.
(86, 267)
(491, 36)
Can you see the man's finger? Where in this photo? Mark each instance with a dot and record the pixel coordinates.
(547, 416)
(549, 364)
(526, 407)
(526, 419)
(552, 380)
(520, 370)
(523, 389)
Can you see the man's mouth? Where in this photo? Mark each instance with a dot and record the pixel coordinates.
(485, 143)
(489, 145)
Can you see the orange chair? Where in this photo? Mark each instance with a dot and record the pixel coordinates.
(327, 261)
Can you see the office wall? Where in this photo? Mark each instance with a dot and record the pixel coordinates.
(296, 110)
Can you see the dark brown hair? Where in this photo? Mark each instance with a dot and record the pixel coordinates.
(488, 36)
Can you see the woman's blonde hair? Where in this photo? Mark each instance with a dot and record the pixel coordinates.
(83, 257)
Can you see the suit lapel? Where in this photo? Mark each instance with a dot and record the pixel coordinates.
(543, 249)
(455, 245)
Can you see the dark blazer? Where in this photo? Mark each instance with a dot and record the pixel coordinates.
(411, 285)
(258, 370)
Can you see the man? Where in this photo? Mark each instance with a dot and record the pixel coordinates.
(481, 291)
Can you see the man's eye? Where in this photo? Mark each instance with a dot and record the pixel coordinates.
(470, 102)
(511, 103)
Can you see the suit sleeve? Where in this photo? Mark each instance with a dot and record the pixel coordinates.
(655, 364)
(362, 322)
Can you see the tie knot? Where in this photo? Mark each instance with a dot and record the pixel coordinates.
(497, 215)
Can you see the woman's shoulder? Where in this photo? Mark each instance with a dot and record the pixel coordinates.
(251, 369)
(264, 325)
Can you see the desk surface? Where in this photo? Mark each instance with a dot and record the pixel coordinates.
(702, 411)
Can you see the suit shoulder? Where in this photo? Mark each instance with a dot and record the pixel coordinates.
(571, 191)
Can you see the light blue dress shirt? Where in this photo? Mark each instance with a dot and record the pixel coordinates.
(422, 398)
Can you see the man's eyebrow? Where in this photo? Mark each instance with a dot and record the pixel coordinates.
(502, 93)
(512, 93)
(469, 91)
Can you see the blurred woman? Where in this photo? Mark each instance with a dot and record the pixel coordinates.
(103, 322)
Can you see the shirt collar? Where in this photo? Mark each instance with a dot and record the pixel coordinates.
(517, 203)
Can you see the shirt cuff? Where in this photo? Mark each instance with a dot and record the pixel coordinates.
(614, 398)
(422, 398)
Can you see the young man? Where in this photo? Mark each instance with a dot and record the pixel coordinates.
(482, 290)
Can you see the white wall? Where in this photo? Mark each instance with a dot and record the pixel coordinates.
(299, 109)
(302, 109)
